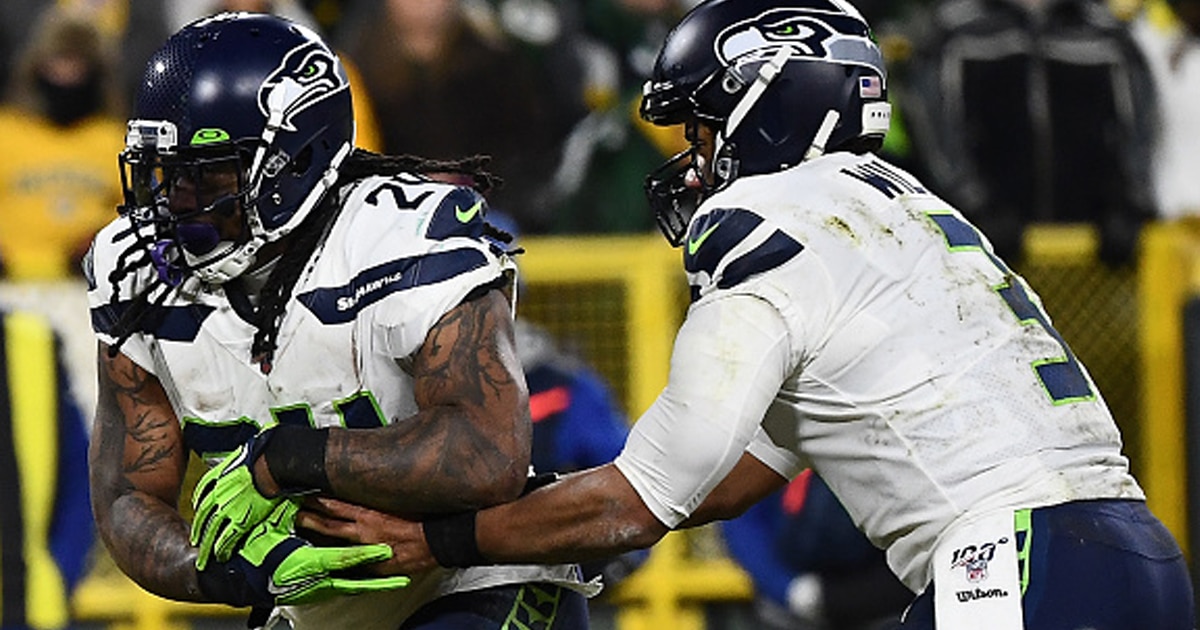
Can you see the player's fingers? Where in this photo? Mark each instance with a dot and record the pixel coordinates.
(338, 558)
(199, 525)
(206, 483)
(332, 527)
(366, 585)
(212, 531)
(202, 539)
(332, 507)
(227, 541)
(202, 559)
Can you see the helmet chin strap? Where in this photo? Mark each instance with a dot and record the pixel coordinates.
(821, 138)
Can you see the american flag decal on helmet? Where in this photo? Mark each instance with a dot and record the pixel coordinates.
(870, 87)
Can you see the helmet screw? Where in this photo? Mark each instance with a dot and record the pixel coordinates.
(276, 198)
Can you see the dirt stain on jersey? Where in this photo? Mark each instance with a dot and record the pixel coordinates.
(838, 224)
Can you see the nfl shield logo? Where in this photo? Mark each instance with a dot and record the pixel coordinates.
(977, 569)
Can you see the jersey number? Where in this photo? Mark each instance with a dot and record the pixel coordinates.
(209, 439)
(359, 411)
(399, 198)
(1062, 377)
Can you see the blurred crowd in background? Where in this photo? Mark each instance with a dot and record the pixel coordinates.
(1019, 111)
(1016, 111)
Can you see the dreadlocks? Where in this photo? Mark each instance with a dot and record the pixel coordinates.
(146, 308)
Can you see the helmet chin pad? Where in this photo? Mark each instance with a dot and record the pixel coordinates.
(198, 238)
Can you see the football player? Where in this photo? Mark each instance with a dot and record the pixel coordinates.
(845, 318)
(306, 318)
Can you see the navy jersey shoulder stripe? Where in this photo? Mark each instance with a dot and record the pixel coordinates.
(886, 180)
(713, 235)
(460, 213)
(338, 305)
(175, 323)
(776, 250)
(957, 232)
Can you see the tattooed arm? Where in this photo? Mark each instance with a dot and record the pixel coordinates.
(137, 464)
(469, 444)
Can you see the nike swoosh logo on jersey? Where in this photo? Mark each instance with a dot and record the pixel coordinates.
(695, 243)
(464, 216)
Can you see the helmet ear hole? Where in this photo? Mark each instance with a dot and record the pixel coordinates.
(732, 82)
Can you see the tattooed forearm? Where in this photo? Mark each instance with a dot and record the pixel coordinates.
(148, 431)
(137, 463)
(146, 439)
(469, 445)
(149, 542)
(150, 425)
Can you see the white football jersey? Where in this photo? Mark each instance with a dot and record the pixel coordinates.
(402, 252)
(846, 318)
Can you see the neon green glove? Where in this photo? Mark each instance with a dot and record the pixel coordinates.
(227, 504)
(275, 567)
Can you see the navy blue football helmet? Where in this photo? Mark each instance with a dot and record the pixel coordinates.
(778, 82)
(242, 96)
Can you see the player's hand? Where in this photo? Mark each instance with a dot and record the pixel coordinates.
(228, 505)
(275, 567)
(357, 524)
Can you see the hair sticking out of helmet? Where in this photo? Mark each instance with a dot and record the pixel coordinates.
(241, 125)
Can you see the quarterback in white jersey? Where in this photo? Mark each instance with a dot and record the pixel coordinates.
(265, 292)
(847, 319)
(880, 325)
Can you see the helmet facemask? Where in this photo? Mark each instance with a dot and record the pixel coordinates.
(190, 204)
(671, 196)
(676, 188)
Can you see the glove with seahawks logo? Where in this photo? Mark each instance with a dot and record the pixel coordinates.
(275, 567)
(227, 504)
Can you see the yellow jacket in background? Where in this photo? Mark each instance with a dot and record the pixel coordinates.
(57, 187)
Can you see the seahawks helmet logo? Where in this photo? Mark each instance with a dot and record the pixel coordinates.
(307, 74)
(824, 35)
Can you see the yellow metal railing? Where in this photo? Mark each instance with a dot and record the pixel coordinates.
(672, 587)
(1131, 321)
(1169, 274)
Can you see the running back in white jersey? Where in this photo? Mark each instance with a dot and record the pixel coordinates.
(926, 382)
(403, 251)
